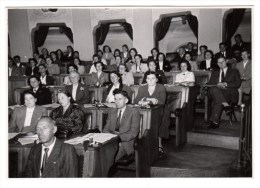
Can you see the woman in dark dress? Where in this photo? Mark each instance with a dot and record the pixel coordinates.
(68, 117)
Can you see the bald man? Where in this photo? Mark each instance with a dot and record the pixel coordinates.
(51, 157)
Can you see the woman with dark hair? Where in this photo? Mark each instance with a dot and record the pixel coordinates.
(60, 55)
(127, 77)
(97, 58)
(52, 68)
(209, 63)
(186, 77)
(45, 53)
(99, 78)
(160, 74)
(43, 94)
(44, 77)
(154, 56)
(154, 93)
(117, 52)
(131, 60)
(193, 64)
(116, 81)
(69, 55)
(107, 55)
(68, 117)
(124, 53)
(71, 68)
(115, 67)
(25, 118)
(163, 64)
(139, 66)
(37, 58)
(81, 68)
(32, 69)
(54, 58)
(201, 56)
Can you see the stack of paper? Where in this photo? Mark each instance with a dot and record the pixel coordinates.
(79, 140)
(28, 139)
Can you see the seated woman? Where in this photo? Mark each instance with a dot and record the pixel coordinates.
(127, 77)
(71, 68)
(154, 55)
(44, 77)
(154, 93)
(68, 117)
(163, 64)
(32, 69)
(54, 59)
(60, 56)
(131, 59)
(139, 66)
(69, 54)
(124, 54)
(115, 67)
(160, 73)
(24, 118)
(52, 68)
(79, 91)
(186, 77)
(96, 58)
(116, 80)
(42, 93)
(117, 52)
(201, 56)
(100, 77)
(193, 64)
(81, 68)
(209, 63)
(108, 56)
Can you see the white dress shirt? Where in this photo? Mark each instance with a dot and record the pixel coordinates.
(208, 63)
(43, 79)
(220, 72)
(74, 91)
(161, 65)
(28, 116)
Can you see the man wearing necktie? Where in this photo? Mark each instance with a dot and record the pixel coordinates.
(51, 157)
(225, 92)
(223, 51)
(123, 121)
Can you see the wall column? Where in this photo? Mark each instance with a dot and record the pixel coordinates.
(143, 31)
(82, 33)
(20, 36)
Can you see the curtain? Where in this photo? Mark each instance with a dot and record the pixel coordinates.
(67, 31)
(161, 28)
(193, 23)
(233, 21)
(128, 29)
(101, 33)
(40, 37)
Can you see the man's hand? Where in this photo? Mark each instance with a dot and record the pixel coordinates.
(222, 84)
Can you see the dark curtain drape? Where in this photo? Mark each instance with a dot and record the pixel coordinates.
(67, 31)
(193, 23)
(40, 37)
(128, 29)
(101, 33)
(161, 28)
(233, 21)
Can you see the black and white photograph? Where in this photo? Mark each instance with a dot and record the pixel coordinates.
(130, 92)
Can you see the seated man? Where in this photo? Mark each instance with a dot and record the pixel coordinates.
(51, 157)
(125, 122)
(227, 82)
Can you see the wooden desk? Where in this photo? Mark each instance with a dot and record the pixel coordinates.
(15, 82)
(96, 160)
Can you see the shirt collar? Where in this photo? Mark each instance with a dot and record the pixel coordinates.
(50, 146)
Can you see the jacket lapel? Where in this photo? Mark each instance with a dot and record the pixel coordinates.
(36, 114)
(38, 159)
(22, 114)
(52, 158)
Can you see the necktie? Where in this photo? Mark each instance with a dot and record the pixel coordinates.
(118, 121)
(222, 76)
(45, 157)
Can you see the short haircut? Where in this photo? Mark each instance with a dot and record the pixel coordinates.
(72, 65)
(106, 46)
(221, 56)
(122, 92)
(187, 63)
(43, 65)
(96, 55)
(238, 36)
(125, 47)
(190, 43)
(16, 56)
(98, 62)
(47, 119)
(139, 55)
(204, 46)
(188, 53)
(124, 65)
(33, 76)
(29, 92)
(160, 53)
(222, 43)
(209, 51)
(152, 73)
(156, 49)
(32, 59)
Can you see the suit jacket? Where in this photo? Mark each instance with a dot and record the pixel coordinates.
(228, 55)
(159, 93)
(102, 78)
(213, 65)
(122, 87)
(166, 66)
(124, 58)
(161, 77)
(129, 127)
(242, 46)
(151, 58)
(49, 80)
(21, 68)
(43, 95)
(16, 71)
(246, 72)
(28, 71)
(82, 94)
(18, 118)
(62, 161)
(232, 78)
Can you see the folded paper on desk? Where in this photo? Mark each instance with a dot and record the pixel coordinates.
(28, 139)
(97, 137)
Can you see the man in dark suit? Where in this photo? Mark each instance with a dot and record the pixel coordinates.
(79, 91)
(193, 52)
(43, 94)
(123, 121)
(51, 157)
(19, 65)
(240, 44)
(226, 81)
(223, 51)
(12, 69)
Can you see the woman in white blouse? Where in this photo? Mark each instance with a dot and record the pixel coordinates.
(71, 68)
(127, 77)
(139, 66)
(52, 68)
(193, 64)
(186, 77)
(24, 119)
(81, 68)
